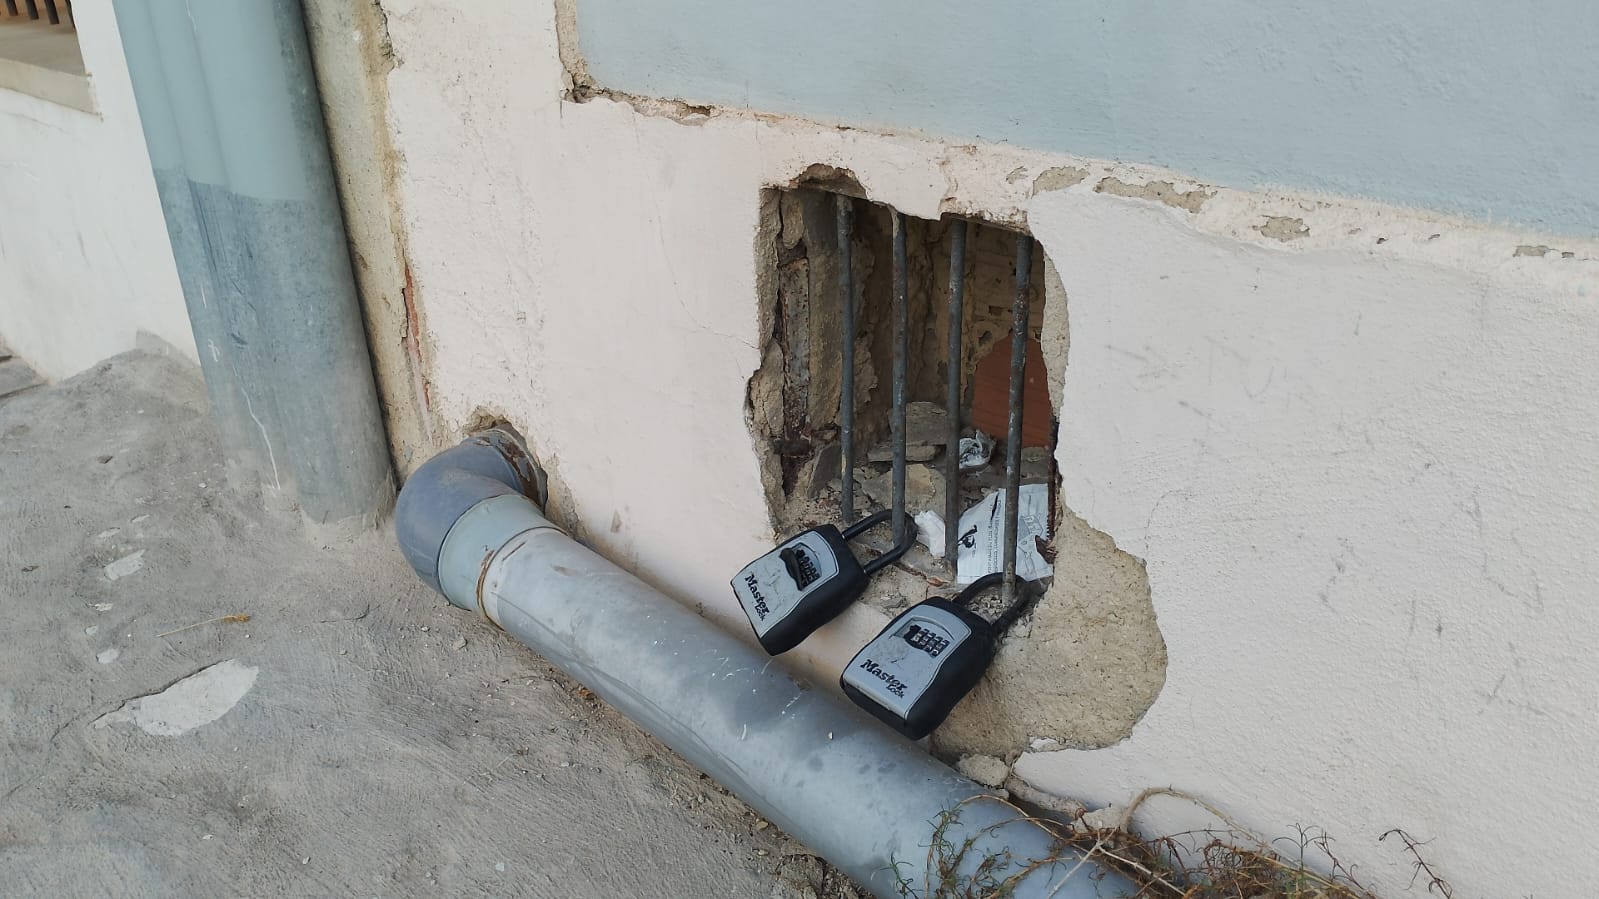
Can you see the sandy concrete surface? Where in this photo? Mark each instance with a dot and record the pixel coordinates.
(354, 737)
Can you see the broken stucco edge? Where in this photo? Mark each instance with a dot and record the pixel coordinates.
(994, 182)
(574, 68)
(1418, 238)
(1106, 586)
(1299, 222)
(1328, 223)
(1058, 362)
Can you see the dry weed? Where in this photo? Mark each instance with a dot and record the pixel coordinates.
(1224, 862)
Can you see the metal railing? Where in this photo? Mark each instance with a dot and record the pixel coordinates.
(1021, 311)
(53, 12)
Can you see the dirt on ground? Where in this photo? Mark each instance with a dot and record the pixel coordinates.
(197, 701)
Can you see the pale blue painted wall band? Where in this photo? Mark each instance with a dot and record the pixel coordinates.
(1478, 107)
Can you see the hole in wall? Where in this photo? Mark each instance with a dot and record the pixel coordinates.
(798, 390)
(1085, 665)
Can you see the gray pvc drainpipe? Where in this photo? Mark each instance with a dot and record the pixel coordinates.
(866, 799)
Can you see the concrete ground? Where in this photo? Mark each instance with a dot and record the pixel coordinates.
(355, 736)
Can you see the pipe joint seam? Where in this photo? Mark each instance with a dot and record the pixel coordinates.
(481, 535)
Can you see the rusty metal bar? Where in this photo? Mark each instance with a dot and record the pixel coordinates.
(952, 390)
(33, 8)
(11, 8)
(846, 397)
(50, 11)
(901, 352)
(1013, 434)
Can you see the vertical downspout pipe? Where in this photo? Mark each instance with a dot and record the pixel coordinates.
(229, 107)
(866, 799)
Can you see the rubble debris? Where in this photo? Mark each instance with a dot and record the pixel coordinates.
(985, 769)
(125, 566)
(1107, 818)
(924, 488)
(926, 432)
(975, 451)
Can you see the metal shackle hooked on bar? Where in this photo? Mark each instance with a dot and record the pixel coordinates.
(912, 675)
(808, 579)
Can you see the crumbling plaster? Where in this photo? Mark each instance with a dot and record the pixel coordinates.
(1393, 409)
(1086, 662)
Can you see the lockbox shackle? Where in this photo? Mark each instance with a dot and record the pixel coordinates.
(894, 552)
(1027, 592)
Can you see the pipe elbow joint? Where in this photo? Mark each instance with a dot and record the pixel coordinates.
(486, 465)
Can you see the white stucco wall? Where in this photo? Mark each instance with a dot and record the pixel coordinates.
(84, 259)
(1358, 464)
(1364, 488)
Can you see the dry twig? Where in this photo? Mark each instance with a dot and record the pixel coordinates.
(236, 619)
(1435, 884)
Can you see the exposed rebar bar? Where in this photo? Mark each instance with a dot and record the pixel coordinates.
(901, 351)
(846, 397)
(952, 390)
(1013, 434)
